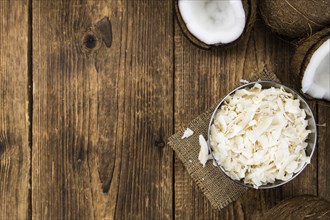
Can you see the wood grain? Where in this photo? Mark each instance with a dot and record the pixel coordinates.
(101, 116)
(201, 78)
(111, 81)
(14, 117)
(323, 150)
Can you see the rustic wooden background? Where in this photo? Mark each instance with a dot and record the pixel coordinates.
(84, 127)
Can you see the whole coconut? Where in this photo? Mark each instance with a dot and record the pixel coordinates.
(300, 207)
(295, 18)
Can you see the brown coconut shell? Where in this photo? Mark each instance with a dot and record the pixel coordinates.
(295, 18)
(250, 9)
(303, 55)
(300, 207)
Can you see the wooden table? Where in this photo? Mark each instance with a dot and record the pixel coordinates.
(84, 127)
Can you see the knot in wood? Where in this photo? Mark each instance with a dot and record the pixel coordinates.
(93, 38)
(159, 143)
(90, 41)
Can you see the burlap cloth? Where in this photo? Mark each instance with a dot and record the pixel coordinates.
(218, 188)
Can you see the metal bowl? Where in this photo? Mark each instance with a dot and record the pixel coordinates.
(311, 139)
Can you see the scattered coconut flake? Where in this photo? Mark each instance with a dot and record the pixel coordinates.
(190, 161)
(243, 81)
(187, 133)
(259, 136)
(204, 151)
(322, 125)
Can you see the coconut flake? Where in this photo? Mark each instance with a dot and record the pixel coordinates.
(204, 151)
(187, 133)
(213, 22)
(316, 80)
(259, 135)
(243, 81)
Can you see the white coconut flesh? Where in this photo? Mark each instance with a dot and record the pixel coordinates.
(213, 21)
(316, 79)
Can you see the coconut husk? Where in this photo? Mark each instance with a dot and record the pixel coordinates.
(250, 9)
(295, 19)
(302, 56)
(301, 207)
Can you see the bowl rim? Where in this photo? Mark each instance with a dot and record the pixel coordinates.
(287, 89)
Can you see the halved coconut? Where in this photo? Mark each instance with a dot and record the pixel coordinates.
(311, 62)
(295, 18)
(209, 23)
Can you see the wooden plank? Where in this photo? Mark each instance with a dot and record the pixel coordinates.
(14, 117)
(201, 78)
(323, 149)
(102, 115)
